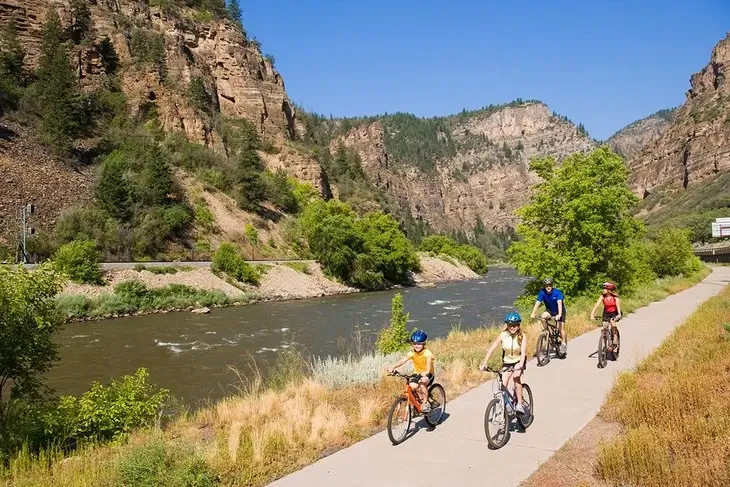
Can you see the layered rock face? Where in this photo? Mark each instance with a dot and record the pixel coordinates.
(487, 177)
(630, 140)
(697, 144)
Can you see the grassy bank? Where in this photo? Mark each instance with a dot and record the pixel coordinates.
(674, 408)
(306, 411)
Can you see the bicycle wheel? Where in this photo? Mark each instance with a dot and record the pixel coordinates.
(602, 349)
(496, 424)
(437, 400)
(399, 420)
(543, 349)
(616, 343)
(558, 342)
(526, 419)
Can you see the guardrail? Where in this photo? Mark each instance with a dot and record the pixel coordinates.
(715, 255)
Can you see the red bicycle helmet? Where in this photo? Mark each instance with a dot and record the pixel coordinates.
(609, 285)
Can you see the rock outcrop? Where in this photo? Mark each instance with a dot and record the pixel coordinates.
(631, 139)
(486, 177)
(697, 144)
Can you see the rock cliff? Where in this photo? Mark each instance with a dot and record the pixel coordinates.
(696, 146)
(631, 139)
(482, 174)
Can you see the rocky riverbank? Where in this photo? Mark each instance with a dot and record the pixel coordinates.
(277, 283)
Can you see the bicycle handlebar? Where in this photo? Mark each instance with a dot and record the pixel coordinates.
(615, 319)
(499, 371)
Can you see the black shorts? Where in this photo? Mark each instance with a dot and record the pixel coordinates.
(512, 366)
(609, 316)
(416, 377)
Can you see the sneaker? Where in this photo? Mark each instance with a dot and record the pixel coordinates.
(425, 407)
(563, 348)
(520, 408)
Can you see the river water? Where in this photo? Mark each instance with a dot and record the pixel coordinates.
(190, 354)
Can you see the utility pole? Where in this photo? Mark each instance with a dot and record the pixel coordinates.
(24, 213)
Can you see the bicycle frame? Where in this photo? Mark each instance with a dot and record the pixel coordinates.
(506, 396)
(409, 393)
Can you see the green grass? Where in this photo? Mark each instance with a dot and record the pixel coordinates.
(674, 408)
(132, 297)
(301, 267)
(162, 269)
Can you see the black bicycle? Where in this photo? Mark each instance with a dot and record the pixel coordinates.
(548, 340)
(501, 411)
(609, 342)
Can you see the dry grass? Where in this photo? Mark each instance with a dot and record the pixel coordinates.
(675, 409)
(260, 435)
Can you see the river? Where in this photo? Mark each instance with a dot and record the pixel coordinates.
(190, 354)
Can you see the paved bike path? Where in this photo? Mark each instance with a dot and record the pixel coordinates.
(567, 393)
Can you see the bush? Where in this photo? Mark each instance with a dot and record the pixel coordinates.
(227, 259)
(79, 260)
(395, 337)
(467, 254)
(159, 464)
(670, 253)
(105, 411)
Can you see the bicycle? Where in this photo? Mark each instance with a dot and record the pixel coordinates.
(407, 403)
(549, 338)
(501, 410)
(609, 343)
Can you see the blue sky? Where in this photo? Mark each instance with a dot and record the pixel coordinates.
(604, 64)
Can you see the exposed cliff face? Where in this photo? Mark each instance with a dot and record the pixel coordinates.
(241, 82)
(631, 139)
(697, 144)
(486, 176)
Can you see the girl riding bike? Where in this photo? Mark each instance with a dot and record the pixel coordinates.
(514, 353)
(611, 306)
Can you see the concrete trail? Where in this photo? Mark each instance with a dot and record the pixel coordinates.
(567, 394)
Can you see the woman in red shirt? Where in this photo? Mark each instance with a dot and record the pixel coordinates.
(611, 303)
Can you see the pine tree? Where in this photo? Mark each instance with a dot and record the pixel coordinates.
(81, 23)
(58, 89)
(234, 12)
(12, 76)
(112, 192)
(109, 57)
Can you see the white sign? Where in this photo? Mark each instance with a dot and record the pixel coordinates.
(721, 228)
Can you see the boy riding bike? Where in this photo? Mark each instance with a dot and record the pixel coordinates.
(514, 355)
(423, 366)
(554, 307)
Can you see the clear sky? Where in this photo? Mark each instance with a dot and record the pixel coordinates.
(603, 63)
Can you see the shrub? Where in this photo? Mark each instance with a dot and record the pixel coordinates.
(105, 411)
(395, 337)
(79, 260)
(339, 372)
(161, 464)
(670, 253)
(227, 259)
(467, 254)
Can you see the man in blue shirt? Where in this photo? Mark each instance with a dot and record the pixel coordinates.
(554, 307)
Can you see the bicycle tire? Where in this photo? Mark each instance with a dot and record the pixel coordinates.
(494, 405)
(543, 349)
(602, 349)
(435, 416)
(558, 342)
(526, 420)
(396, 404)
(616, 343)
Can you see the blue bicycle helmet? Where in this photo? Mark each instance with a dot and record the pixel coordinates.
(513, 317)
(418, 336)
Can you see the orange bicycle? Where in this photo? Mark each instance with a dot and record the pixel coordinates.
(406, 406)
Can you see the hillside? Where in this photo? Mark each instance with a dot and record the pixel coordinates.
(631, 139)
(683, 175)
(462, 172)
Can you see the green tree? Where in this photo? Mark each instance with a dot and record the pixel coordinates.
(112, 192)
(57, 88)
(252, 236)
(198, 96)
(80, 20)
(251, 187)
(109, 56)
(12, 75)
(577, 225)
(394, 338)
(234, 12)
(157, 179)
(670, 253)
(28, 323)
(79, 260)
(387, 247)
